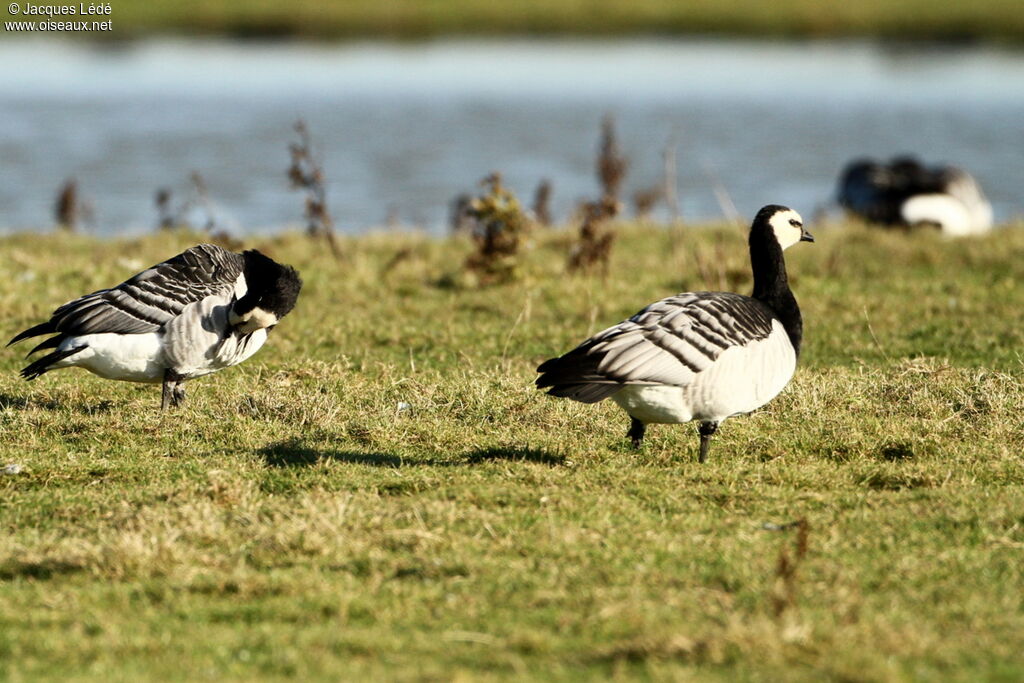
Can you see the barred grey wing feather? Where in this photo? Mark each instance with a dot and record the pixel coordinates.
(669, 342)
(149, 300)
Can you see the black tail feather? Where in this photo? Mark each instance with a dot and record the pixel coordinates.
(42, 328)
(549, 364)
(572, 368)
(51, 343)
(585, 393)
(575, 375)
(40, 366)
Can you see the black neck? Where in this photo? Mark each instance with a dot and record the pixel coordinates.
(771, 287)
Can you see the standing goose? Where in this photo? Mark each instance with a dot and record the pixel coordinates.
(699, 355)
(203, 310)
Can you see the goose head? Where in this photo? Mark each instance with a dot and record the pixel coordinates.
(271, 292)
(783, 223)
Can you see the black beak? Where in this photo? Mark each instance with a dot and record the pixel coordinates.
(806, 236)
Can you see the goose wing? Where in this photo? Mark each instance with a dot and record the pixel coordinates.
(669, 342)
(149, 300)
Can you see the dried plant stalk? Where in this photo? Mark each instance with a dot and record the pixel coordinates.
(306, 173)
(67, 209)
(670, 178)
(644, 201)
(542, 203)
(166, 216)
(593, 249)
(784, 593)
(203, 200)
(170, 216)
(611, 163)
(460, 218)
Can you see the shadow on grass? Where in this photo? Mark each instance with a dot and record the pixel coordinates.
(296, 453)
(895, 452)
(41, 570)
(515, 455)
(24, 403)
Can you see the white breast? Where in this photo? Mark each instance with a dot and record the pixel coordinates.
(740, 380)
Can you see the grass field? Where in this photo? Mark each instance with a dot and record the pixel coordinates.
(897, 19)
(292, 521)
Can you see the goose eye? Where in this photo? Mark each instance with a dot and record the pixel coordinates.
(795, 223)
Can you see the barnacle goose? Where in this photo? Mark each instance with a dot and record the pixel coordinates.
(203, 310)
(906, 192)
(702, 356)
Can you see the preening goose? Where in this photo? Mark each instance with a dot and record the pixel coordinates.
(203, 310)
(702, 356)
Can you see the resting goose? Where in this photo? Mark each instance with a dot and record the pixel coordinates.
(905, 192)
(203, 310)
(959, 209)
(702, 356)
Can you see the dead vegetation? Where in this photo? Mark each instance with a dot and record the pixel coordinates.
(647, 199)
(497, 233)
(784, 590)
(612, 164)
(197, 204)
(593, 248)
(460, 215)
(670, 192)
(70, 210)
(306, 173)
(166, 214)
(542, 203)
(197, 212)
(644, 201)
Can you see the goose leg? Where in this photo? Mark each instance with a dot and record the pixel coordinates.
(706, 430)
(172, 393)
(636, 432)
(179, 393)
(167, 394)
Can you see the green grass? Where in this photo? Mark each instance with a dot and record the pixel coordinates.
(291, 521)
(897, 19)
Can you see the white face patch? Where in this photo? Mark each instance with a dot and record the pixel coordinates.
(788, 227)
(256, 319)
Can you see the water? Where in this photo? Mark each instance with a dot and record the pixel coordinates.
(404, 128)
